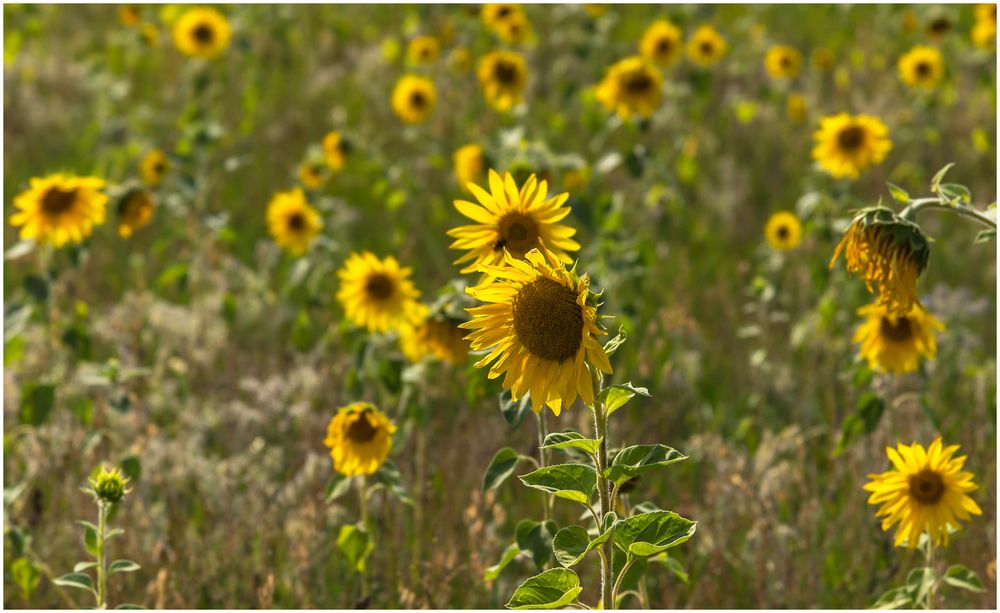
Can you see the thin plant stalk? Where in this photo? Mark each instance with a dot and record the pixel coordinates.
(363, 509)
(604, 491)
(102, 575)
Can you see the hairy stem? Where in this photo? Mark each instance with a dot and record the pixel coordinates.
(102, 576)
(363, 506)
(923, 204)
(604, 491)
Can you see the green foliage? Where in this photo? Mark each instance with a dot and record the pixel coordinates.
(501, 467)
(574, 482)
(572, 544)
(535, 538)
(26, 576)
(553, 589)
(963, 578)
(571, 440)
(615, 397)
(508, 556)
(638, 459)
(356, 544)
(648, 534)
(37, 400)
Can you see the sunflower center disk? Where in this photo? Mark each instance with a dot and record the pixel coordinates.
(901, 330)
(56, 201)
(927, 487)
(923, 69)
(518, 233)
(851, 138)
(663, 45)
(505, 73)
(203, 34)
(783, 232)
(706, 47)
(379, 286)
(548, 321)
(638, 83)
(361, 431)
(418, 100)
(296, 222)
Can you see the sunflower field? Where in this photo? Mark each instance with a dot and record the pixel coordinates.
(486, 306)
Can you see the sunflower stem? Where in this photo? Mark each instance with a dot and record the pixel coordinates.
(604, 491)
(102, 575)
(363, 509)
(915, 207)
(543, 458)
(929, 557)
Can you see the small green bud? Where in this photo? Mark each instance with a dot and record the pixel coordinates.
(109, 485)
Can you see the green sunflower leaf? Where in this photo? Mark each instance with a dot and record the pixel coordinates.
(552, 589)
(637, 459)
(77, 580)
(572, 544)
(899, 194)
(651, 533)
(535, 538)
(896, 598)
(571, 440)
(500, 469)
(963, 578)
(616, 396)
(569, 481)
(355, 543)
(936, 181)
(508, 556)
(123, 566)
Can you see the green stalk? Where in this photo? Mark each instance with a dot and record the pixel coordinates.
(915, 207)
(929, 558)
(543, 459)
(102, 576)
(363, 505)
(603, 489)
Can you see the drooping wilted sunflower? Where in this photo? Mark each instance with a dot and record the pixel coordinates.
(292, 222)
(335, 150)
(359, 437)
(423, 50)
(413, 99)
(154, 166)
(470, 164)
(513, 220)
(783, 231)
(631, 87)
(541, 329)
(661, 43)
(706, 46)
(437, 336)
(378, 294)
(896, 343)
(890, 253)
(921, 67)
(135, 210)
(847, 145)
(926, 491)
(502, 75)
(202, 32)
(59, 209)
(782, 62)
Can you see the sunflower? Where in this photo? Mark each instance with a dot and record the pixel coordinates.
(895, 344)
(502, 75)
(154, 166)
(783, 231)
(706, 46)
(335, 150)
(439, 337)
(847, 145)
(59, 209)
(470, 164)
(889, 253)
(359, 437)
(292, 222)
(128, 15)
(631, 87)
(782, 62)
(939, 27)
(541, 328)
(202, 32)
(986, 12)
(984, 34)
(921, 67)
(514, 29)
(513, 221)
(413, 98)
(312, 174)
(135, 210)
(378, 294)
(661, 43)
(494, 14)
(926, 491)
(795, 107)
(423, 50)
